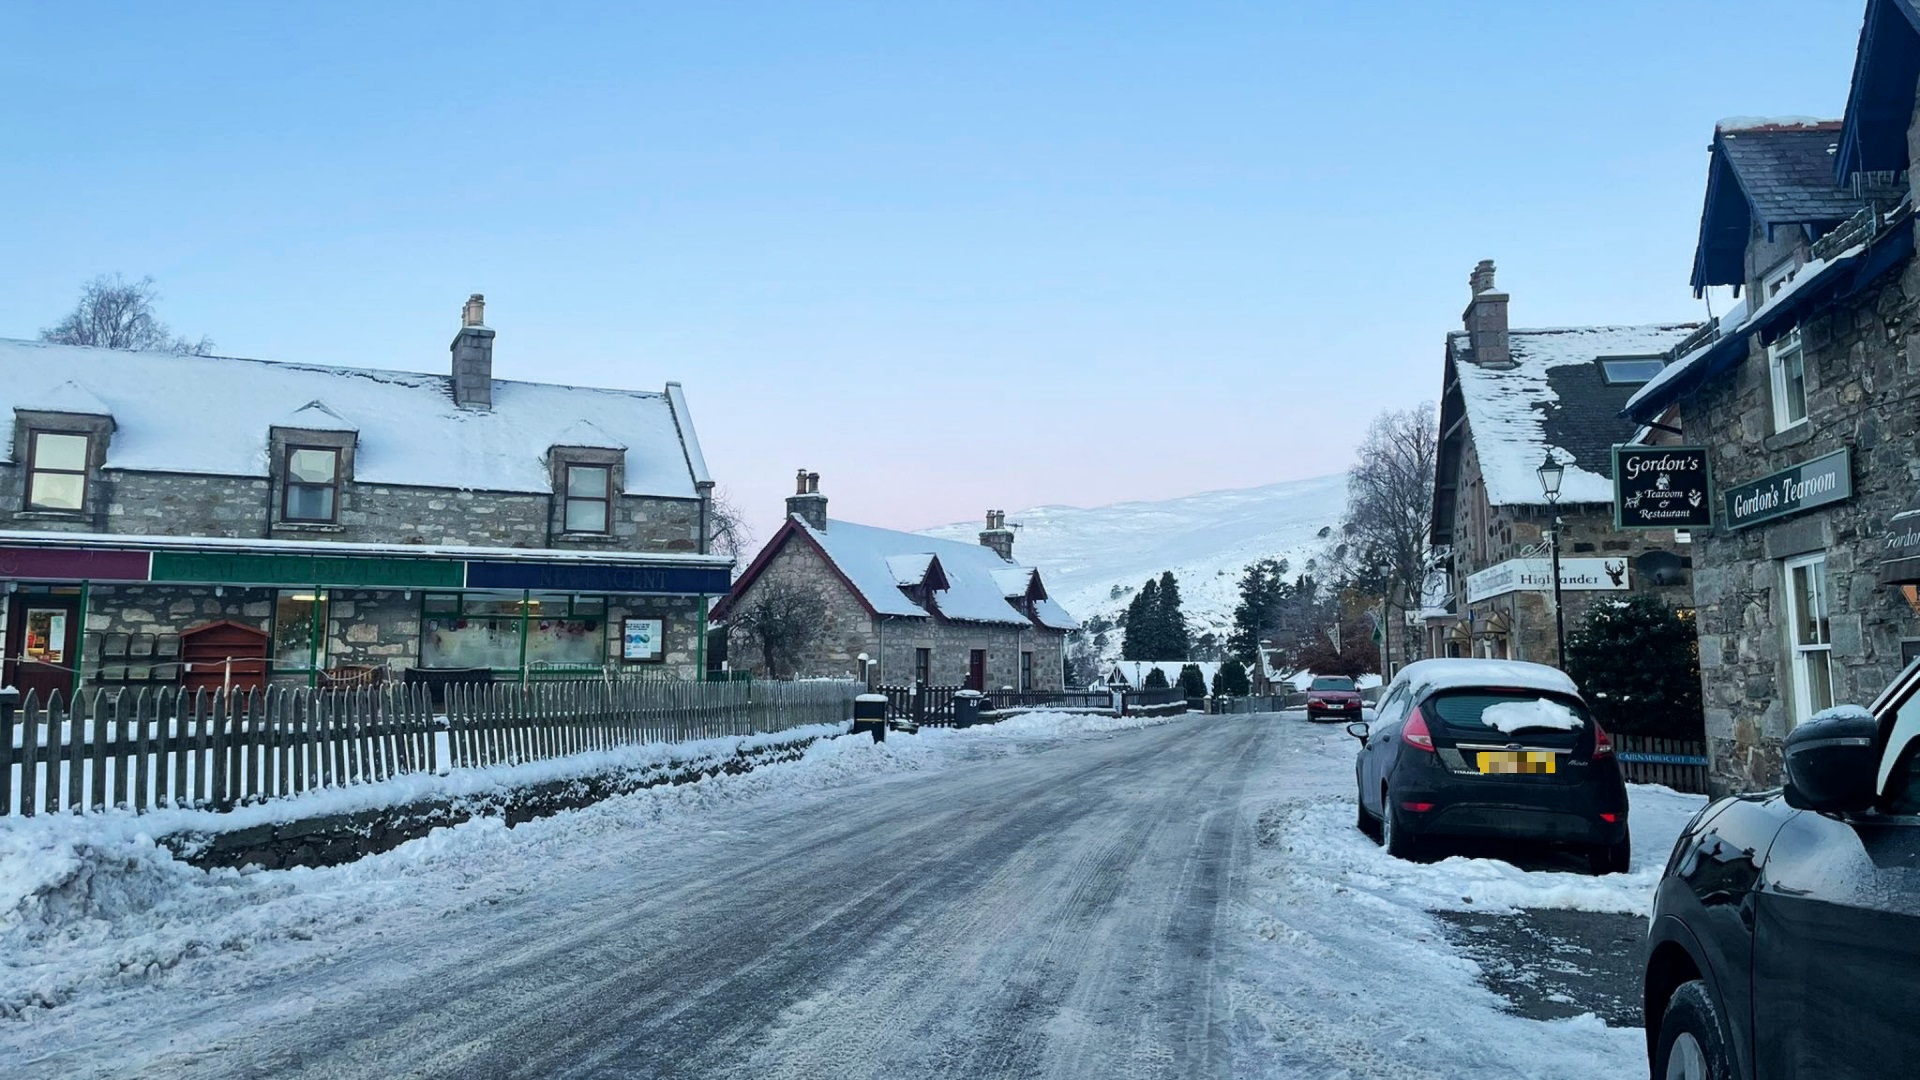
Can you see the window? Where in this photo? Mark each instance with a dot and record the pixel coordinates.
(588, 495)
(1810, 649)
(300, 630)
(502, 630)
(1789, 381)
(57, 470)
(1625, 372)
(1026, 672)
(311, 488)
(923, 666)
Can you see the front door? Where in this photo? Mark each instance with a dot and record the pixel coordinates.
(977, 670)
(43, 639)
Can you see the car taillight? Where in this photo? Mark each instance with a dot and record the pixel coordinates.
(1602, 742)
(1416, 733)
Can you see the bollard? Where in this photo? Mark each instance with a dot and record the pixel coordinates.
(870, 715)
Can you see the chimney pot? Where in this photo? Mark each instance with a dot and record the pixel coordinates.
(1486, 319)
(472, 350)
(806, 501)
(997, 536)
(475, 311)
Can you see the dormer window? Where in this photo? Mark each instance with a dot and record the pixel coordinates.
(311, 490)
(589, 498)
(57, 470)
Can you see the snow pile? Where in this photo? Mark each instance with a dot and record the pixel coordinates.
(1511, 716)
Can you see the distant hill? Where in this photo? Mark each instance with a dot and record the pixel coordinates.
(1093, 559)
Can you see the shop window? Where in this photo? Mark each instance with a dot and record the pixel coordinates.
(310, 489)
(1810, 646)
(502, 630)
(1789, 368)
(589, 497)
(300, 630)
(57, 470)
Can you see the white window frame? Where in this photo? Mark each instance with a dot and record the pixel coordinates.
(1782, 353)
(1801, 657)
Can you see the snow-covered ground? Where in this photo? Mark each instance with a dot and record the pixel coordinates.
(1046, 896)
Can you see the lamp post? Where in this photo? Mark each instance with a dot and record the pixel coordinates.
(1551, 473)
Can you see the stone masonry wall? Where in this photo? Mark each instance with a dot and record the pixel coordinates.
(952, 643)
(1863, 391)
(846, 628)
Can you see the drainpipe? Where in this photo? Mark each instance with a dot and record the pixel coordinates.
(526, 601)
(80, 636)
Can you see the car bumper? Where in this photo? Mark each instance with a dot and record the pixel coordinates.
(1559, 814)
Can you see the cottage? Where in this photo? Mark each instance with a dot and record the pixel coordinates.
(1806, 397)
(1511, 400)
(221, 521)
(919, 610)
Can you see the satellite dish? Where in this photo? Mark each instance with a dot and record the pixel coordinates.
(1663, 567)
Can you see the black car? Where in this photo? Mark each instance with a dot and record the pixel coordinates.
(1490, 749)
(1785, 937)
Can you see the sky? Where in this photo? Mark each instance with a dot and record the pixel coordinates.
(952, 257)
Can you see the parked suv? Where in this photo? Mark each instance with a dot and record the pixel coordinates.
(1785, 938)
(1490, 749)
(1332, 695)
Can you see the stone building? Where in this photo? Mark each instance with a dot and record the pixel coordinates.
(206, 520)
(1807, 398)
(1509, 399)
(935, 612)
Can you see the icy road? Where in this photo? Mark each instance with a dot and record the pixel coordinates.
(1049, 898)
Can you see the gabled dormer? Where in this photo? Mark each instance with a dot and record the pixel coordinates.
(310, 456)
(919, 577)
(1770, 194)
(588, 466)
(60, 439)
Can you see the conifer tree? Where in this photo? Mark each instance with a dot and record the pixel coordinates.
(1192, 683)
(1142, 617)
(1231, 680)
(1170, 627)
(1155, 680)
(1638, 666)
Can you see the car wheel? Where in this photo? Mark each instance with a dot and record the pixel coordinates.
(1366, 822)
(1693, 1044)
(1393, 833)
(1616, 858)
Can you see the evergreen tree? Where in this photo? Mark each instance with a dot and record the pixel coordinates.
(1192, 683)
(1637, 663)
(1255, 616)
(1142, 616)
(1155, 680)
(1231, 680)
(1170, 625)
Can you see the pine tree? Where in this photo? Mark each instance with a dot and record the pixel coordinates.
(1170, 625)
(1142, 616)
(1231, 680)
(1155, 680)
(1192, 683)
(1255, 616)
(1638, 666)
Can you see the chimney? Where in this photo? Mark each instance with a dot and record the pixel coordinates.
(473, 357)
(997, 536)
(1486, 320)
(806, 500)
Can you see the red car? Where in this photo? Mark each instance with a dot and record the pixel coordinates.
(1333, 696)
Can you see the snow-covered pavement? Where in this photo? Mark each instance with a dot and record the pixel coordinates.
(1053, 896)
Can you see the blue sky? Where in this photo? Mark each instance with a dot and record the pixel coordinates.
(951, 256)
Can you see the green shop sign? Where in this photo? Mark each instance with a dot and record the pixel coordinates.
(1824, 480)
(247, 569)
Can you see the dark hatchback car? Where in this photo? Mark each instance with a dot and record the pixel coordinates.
(1333, 695)
(1785, 937)
(1490, 750)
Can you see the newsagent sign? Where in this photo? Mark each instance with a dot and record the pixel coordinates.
(1536, 575)
(1827, 479)
(1662, 487)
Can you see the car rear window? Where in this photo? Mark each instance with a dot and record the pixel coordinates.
(1332, 684)
(1504, 715)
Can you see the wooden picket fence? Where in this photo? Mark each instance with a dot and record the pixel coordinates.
(139, 750)
(1680, 764)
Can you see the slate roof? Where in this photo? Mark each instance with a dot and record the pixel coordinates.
(1787, 172)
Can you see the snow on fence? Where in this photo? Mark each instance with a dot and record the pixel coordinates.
(144, 749)
(1680, 764)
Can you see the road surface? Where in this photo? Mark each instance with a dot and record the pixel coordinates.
(1063, 913)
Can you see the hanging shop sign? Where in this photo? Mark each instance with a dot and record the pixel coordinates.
(1900, 550)
(1536, 575)
(1824, 480)
(1662, 487)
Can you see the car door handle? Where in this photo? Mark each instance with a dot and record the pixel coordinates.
(1790, 890)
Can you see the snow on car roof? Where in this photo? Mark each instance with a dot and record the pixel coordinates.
(1460, 672)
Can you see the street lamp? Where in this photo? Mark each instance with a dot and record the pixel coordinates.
(1551, 472)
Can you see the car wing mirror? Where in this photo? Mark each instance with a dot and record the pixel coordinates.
(1358, 729)
(1831, 763)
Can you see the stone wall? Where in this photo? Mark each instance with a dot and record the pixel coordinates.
(1863, 391)
(952, 644)
(846, 628)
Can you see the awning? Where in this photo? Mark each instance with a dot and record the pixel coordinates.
(1900, 557)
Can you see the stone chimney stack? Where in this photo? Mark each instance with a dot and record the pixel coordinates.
(1486, 319)
(473, 357)
(997, 536)
(806, 500)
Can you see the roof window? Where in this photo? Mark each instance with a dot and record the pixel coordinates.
(1630, 370)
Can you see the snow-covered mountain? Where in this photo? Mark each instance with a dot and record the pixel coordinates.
(1093, 559)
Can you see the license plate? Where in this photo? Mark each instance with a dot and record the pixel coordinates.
(1516, 761)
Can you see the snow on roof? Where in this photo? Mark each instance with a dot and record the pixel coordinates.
(874, 559)
(316, 416)
(585, 434)
(68, 397)
(909, 569)
(1054, 617)
(1508, 409)
(1455, 673)
(1135, 671)
(1014, 580)
(1752, 123)
(208, 414)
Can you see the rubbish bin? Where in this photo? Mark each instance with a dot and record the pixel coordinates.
(870, 715)
(966, 707)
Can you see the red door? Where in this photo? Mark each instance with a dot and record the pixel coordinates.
(977, 670)
(43, 644)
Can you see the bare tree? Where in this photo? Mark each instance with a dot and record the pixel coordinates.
(1389, 506)
(117, 314)
(727, 531)
(780, 618)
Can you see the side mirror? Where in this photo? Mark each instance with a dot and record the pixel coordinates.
(1358, 729)
(1831, 763)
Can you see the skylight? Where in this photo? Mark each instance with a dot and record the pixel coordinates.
(1628, 371)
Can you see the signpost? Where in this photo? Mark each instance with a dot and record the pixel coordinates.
(1826, 479)
(1662, 487)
